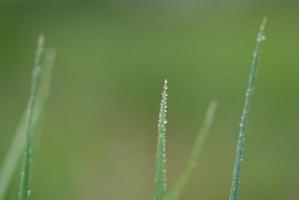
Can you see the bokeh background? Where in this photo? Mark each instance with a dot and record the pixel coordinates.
(98, 136)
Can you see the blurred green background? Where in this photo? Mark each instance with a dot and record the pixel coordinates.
(98, 136)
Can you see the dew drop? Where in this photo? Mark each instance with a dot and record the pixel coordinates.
(28, 193)
(260, 37)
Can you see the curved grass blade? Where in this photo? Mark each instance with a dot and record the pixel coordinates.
(160, 179)
(244, 119)
(195, 153)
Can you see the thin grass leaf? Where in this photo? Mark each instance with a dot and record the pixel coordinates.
(195, 153)
(11, 159)
(15, 150)
(245, 114)
(30, 119)
(160, 179)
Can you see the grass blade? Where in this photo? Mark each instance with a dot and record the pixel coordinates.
(245, 114)
(160, 179)
(16, 148)
(195, 153)
(11, 159)
(39, 92)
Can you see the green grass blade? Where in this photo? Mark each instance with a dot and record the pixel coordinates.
(14, 153)
(245, 114)
(160, 179)
(15, 150)
(195, 153)
(11, 159)
(30, 118)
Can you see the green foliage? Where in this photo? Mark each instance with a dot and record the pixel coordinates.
(24, 188)
(41, 88)
(244, 119)
(195, 153)
(16, 148)
(160, 179)
(23, 142)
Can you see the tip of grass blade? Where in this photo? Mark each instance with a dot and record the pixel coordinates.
(264, 21)
(211, 112)
(160, 178)
(41, 39)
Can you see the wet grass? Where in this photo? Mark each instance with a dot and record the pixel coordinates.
(22, 145)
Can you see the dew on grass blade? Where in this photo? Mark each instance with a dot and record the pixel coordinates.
(245, 114)
(160, 178)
